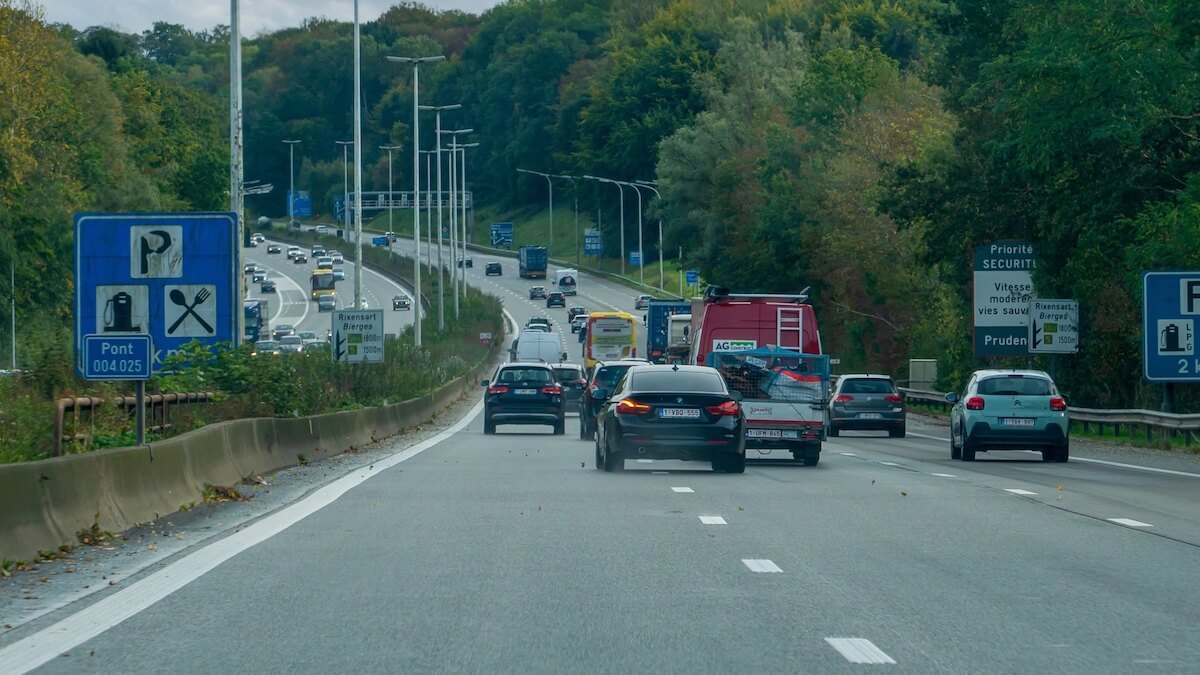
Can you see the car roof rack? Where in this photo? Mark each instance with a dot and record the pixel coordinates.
(714, 294)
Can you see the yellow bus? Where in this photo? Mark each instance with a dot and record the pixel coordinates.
(322, 283)
(610, 336)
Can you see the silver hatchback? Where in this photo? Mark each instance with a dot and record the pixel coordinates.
(867, 403)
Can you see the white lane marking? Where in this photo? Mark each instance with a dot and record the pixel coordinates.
(45, 645)
(848, 454)
(1089, 460)
(1130, 522)
(1019, 491)
(682, 489)
(944, 475)
(713, 520)
(889, 463)
(661, 473)
(760, 565)
(645, 461)
(859, 650)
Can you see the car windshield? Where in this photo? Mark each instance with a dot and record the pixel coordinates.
(1014, 385)
(681, 381)
(525, 375)
(863, 385)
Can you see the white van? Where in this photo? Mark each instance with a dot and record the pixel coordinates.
(567, 280)
(533, 345)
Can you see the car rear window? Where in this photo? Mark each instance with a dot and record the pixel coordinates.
(526, 375)
(868, 386)
(1015, 386)
(568, 374)
(608, 376)
(671, 380)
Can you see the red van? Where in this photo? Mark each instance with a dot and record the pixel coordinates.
(725, 321)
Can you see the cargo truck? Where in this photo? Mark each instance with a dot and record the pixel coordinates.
(658, 316)
(533, 262)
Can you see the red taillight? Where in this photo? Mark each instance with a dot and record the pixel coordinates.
(892, 398)
(843, 398)
(552, 389)
(1058, 403)
(632, 407)
(498, 389)
(975, 403)
(730, 408)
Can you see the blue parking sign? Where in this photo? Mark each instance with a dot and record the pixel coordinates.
(1170, 310)
(693, 277)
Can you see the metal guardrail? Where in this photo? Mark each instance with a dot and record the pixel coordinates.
(1166, 424)
(159, 407)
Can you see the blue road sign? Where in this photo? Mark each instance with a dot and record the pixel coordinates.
(117, 357)
(301, 204)
(693, 277)
(1170, 309)
(502, 235)
(635, 257)
(171, 276)
(381, 241)
(593, 242)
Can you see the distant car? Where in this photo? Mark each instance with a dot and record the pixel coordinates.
(1009, 410)
(401, 302)
(524, 393)
(249, 267)
(258, 237)
(325, 263)
(316, 346)
(605, 376)
(339, 274)
(642, 301)
(318, 251)
(321, 229)
(293, 251)
(338, 258)
(538, 323)
(253, 243)
(291, 344)
(537, 292)
(267, 286)
(671, 412)
(866, 403)
(573, 379)
(283, 329)
(575, 311)
(493, 268)
(392, 238)
(579, 322)
(466, 262)
(556, 299)
(307, 335)
(274, 248)
(259, 275)
(265, 347)
(300, 259)
(326, 303)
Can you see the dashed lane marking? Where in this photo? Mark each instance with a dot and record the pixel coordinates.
(859, 650)
(682, 489)
(760, 565)
(1129, 522)
(713, 520)
(1019, 491)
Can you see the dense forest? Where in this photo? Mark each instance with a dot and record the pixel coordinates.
(860, 147)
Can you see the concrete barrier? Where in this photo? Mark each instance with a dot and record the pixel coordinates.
(47, 503)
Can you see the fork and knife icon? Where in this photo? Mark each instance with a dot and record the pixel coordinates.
(177, 296)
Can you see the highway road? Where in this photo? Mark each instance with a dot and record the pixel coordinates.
(511, 553)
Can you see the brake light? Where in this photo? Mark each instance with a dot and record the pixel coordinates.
(892, 398)
(552, 389)
(1058, 403)
(843, 398)
(730, 408)
(498, 389)
(632, 407)
(975, 403)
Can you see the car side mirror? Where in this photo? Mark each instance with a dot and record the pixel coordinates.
(952, 397)
(736, 395)
(600, 395)
(484, 383)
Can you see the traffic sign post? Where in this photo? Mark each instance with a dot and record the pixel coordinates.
(1053, 326)
(593, 242)
(693, 277)
(117, 357)
(1003, 289)
(502, 235)
(635, 258)
(1170, 309)
(172, 277)
(358, 335)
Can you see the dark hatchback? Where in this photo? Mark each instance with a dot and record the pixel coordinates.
(605, 376)
(573, 380)
(867, 403)
(524, 393)
(556, 299)
(671, 412)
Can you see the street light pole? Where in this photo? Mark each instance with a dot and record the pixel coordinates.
(345, 184)
(235, 155)
(441, 265)
(622, 189)
(291, 180)
(428, 210)
(649, 185)
(358, 261)
(391, 199)
(550, 185)
(416, 62)
(464, 147)
(641, 257)
(454, 233)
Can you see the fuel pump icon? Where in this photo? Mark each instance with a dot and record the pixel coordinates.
(1175, 337)
(1168, 339)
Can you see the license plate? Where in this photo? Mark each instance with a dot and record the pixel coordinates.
(679, 412)
(1016, 421)
(764, 433)
(869, 416)
(525, 392)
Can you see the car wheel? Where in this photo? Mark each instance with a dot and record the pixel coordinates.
(811, 460)
(833, 431)
(955, 451)
(1063, 453)
(584, 433)
(560, 427)
(612, 460)
(898, 433)
(489, 427)
(735, 464)
(968, 450)
(599, 457)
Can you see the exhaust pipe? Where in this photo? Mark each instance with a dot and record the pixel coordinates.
(642, 450)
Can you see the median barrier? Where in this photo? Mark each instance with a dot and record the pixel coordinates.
(47, 503)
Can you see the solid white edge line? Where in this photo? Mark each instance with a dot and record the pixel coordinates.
(889, 463)
(1089, 460)
(1019, 491)
(713, 520)
(944, 475)
(859, 650)
(45, 645)
(1129, 522)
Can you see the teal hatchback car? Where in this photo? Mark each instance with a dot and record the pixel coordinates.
(1009, 410)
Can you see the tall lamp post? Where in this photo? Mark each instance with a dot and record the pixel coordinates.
(345, 184)
(429, 209)
(550, 187)
(641, 255)
(442, 274)
(621, 187)
(291, 180)
(453, 133)
(463, 148)
(649, 185)
(391, 199)
(416, 62)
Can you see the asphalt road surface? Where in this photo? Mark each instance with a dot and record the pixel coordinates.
(511, 553)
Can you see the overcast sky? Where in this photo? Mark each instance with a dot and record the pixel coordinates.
(135, 16)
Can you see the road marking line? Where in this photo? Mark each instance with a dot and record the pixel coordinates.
(760, 565)
(645, 461)
(1129, 522)
(713, 520)
(45, 645)
(889, 463)
(859, 650)
(848, 454)
(944, 475)
(1089, 460)
(661, 473)
(682, 489)
(1019, 491)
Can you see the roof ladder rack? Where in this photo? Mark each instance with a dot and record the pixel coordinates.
(789, 321)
